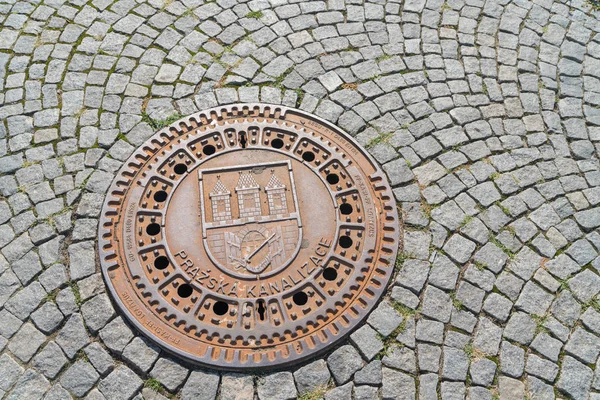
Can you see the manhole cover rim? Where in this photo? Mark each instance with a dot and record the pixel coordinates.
(390, 222)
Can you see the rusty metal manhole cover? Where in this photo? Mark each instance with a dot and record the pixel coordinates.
(247, 236)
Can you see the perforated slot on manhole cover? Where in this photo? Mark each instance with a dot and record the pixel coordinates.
(248, 236)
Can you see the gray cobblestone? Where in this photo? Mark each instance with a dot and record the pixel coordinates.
(235, 386)
(343, 363)
(169, 372)
(116, 335)
(122, 382)
(279, 385)
(99, 358)
(79, 378)
(11, 371)
(312, 377)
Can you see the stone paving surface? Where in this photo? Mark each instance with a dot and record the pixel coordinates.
(484, 114)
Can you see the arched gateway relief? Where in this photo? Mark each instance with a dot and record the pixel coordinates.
(248, 236)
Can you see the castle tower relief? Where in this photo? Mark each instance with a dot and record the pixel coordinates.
(247, 190)
(220, 201)
(276, 196)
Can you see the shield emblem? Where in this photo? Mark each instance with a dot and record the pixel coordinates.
(250, 217)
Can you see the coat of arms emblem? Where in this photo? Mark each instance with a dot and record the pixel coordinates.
(250, 216)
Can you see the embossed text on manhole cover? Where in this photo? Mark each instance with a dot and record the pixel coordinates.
(248, 236)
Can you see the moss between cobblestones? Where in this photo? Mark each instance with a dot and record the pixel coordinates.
(455, 302)
(465, 221)
(540, 320)
(254, 14)
(82, 356)
(403, 310)
(479, 265)
(594, 303)
(502, 247)
(157, 124)
(400, 259)
(75, 288)
(381, 138)
(51, 296)
(564, 285)
(315, 394)
(154, 384)
(595, 4)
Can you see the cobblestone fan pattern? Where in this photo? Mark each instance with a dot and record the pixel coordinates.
(484, 114)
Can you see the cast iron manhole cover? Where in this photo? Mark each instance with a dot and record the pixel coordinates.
(247, 236)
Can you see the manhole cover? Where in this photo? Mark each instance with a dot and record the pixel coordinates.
(247, 236)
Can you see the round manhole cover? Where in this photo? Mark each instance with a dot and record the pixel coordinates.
(247, 236)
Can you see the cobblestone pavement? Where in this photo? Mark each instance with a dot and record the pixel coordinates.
(484, 114)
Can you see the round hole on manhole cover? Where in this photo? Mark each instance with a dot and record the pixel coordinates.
(248, 236)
